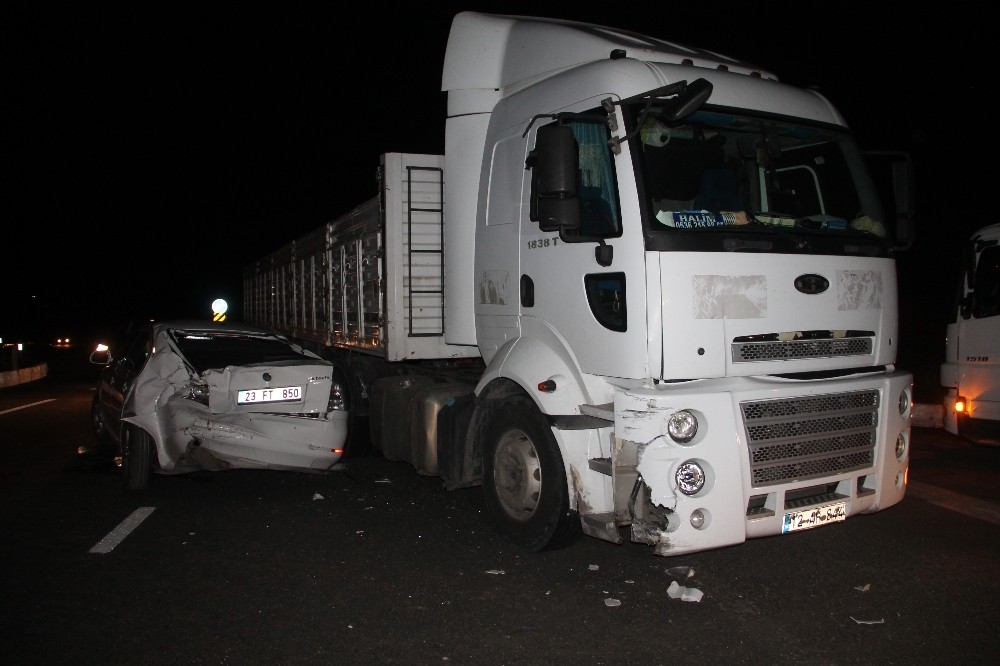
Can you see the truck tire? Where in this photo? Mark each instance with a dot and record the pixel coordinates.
(137, 457)
(524, 479)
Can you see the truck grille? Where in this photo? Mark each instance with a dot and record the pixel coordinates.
(792, 349)
(792, 439)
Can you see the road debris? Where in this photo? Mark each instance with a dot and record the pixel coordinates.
(879, 621)
(611, 602)
(677, 591)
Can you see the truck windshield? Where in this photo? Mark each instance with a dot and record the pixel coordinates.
(719, 169)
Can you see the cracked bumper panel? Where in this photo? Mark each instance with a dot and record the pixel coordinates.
(731, 508)
(272, 441)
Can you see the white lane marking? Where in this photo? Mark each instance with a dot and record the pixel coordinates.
(117, 535)
(969, 506)
(14, 409)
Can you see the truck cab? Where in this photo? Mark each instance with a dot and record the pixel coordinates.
(683, 270)
(970, 373)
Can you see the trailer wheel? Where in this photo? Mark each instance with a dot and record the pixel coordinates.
(524, 480)
(137, 457)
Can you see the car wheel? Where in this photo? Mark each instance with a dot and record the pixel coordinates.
(97, 421)
(137, 458)
(524, 479)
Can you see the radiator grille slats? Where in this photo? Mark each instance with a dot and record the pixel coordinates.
(793, 439)
(792, 349)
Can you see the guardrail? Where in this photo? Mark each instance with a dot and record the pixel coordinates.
(19, 364)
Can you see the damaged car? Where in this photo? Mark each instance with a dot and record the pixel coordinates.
(182, 396)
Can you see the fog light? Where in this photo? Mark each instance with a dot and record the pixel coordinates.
(960, 405)
(682, 426)
(690, 477)
(900, 446)
(904, 401)
(697, 519)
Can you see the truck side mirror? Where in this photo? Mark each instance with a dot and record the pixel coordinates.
(554, 202)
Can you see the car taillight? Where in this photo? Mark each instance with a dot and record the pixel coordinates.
(336, 398)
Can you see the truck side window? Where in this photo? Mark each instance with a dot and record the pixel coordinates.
(606, 297)
(986, 301)
(600, 215)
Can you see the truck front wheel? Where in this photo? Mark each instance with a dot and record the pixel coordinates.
(524, 479)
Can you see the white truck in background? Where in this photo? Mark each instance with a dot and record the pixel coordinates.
(970, 373)
(646, 286)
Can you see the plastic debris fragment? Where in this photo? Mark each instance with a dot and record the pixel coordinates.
(317, 496)
(594, 567)
(611, 602)
(496, 572)
(677, 591)
(879, 621)
(681, 572)
(863, 588)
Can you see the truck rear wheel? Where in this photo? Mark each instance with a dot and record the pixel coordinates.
(524, 480)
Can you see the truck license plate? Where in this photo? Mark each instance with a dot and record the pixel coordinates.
(814, 517)
(277, 394)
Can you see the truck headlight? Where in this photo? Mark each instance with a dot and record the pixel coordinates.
(690, 477)
(682, 426)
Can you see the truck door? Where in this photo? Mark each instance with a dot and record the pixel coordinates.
(979, 335)
(582, 277)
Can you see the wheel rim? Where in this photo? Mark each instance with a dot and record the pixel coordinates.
(517, 474)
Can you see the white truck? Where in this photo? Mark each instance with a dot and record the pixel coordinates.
(970, 373)
(646, 286)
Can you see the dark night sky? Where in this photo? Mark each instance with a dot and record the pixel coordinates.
(151, 153)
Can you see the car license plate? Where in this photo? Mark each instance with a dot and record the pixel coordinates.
(277, 394)
(814, 517)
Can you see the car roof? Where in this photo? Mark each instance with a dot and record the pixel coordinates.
(212, 326)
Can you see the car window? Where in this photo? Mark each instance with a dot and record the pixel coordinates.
(136, 352)
(212, 351)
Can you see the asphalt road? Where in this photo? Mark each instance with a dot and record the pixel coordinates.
(376, 564)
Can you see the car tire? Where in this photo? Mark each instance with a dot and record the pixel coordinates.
(97, 422)
(137, 458)
(524, 479)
